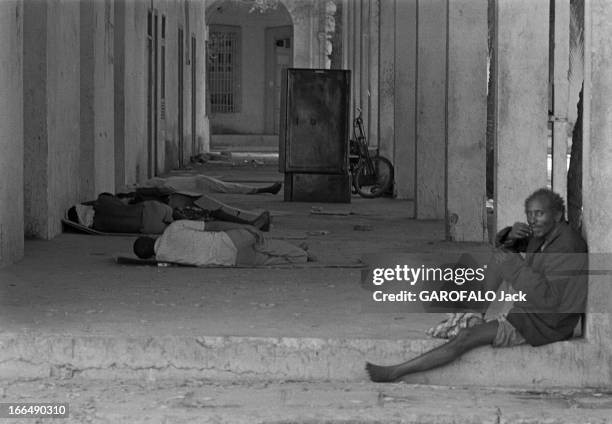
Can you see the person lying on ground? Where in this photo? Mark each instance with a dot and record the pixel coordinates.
(115, 215)
(199, 206)
(202, 243)
(552, 276)
(205, 184)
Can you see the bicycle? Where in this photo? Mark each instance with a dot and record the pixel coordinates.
(371, 174)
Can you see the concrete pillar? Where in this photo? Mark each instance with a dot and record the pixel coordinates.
(373, 59)
(305, 54)
(364, 63)
(560, 96)
(11, 131)
(522, 104)
(466, 120)
(362, 36)
(431, 114)
(63, 111)
(597, 171)
(52, 108)
(405, 97)
(198, 25)
(97, 160)
(87, 160)
(35, 108)
(318, 48)
(119, 92)
(327, 27)
(135, 90)
(386, 94)
(355, 53)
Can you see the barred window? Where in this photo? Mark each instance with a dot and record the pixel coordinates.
(224, 68)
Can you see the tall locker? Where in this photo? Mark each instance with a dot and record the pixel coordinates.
(314, 134)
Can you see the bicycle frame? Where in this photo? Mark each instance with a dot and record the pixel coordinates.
(366, 167)
(361, 143)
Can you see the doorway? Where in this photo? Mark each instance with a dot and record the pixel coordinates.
(246, 54)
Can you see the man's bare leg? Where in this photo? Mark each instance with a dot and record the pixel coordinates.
(210, 204)
(261, 221)
(467, 339)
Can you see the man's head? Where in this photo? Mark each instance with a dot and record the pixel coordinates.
(144, 247)
(544, 209)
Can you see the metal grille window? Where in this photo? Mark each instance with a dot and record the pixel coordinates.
(224, 68)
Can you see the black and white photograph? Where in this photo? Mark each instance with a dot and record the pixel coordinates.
(305, 211)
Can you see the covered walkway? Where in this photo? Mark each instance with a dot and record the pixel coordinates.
(69, 310)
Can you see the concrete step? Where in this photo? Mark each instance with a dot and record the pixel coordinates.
(153, 401)
(32, 355)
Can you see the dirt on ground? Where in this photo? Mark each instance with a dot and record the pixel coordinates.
(199, 401)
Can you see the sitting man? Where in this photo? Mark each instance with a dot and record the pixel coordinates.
(552, 276)
(202, 243)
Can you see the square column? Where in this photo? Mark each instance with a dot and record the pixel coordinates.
(97, 160)
(52, 106)
(404, 95)
(521, 104)
(431, 114)
(386, 95)
(466, 121)
(560, 96)
(306, 53)
(11, 131)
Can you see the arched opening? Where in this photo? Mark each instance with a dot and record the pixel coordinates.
(248, 48)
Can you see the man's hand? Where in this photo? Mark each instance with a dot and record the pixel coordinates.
(519, 230)
(509, 263)
(501, 256)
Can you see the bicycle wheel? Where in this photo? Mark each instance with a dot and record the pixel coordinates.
(376, 181)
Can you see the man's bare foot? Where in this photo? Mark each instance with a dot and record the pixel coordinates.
(379, 373)
(272, 189)
(275, 188)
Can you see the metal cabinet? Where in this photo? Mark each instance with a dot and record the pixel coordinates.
(314, 134)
